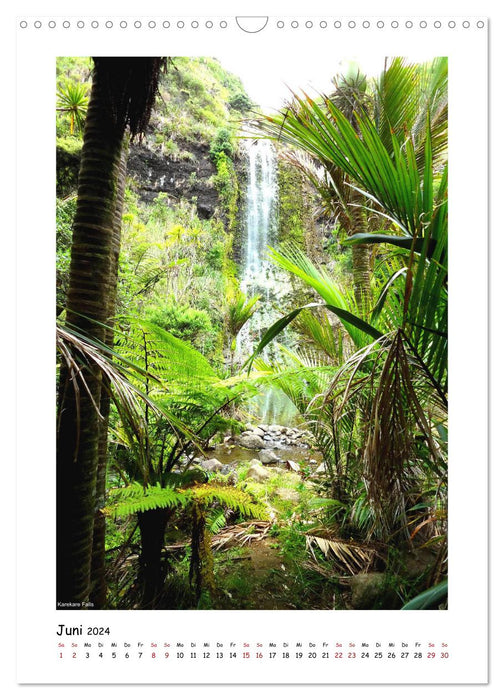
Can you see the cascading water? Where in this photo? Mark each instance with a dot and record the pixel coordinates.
(261, 213)
(259, 275)
(260, 224)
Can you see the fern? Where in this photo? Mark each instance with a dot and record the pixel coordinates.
(216, 522)
(233, 498)
(136, 498)
(187, 400)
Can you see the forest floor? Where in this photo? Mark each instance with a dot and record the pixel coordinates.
(259, 576)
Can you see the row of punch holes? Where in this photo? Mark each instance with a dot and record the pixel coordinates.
(250, 24)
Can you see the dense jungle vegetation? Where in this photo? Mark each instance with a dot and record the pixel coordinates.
(175, 488)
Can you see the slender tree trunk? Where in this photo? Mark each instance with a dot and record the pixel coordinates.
(152, 572)
(361, 258)
(361, 275)
(98, 583)
(122, 95)
(87, 307)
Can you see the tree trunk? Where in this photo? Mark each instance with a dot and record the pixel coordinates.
(152, 572)
(361, 276)
(361, 257)
(122, 95)
(87, 307)
(98, 583)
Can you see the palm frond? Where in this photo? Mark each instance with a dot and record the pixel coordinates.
(350, 558)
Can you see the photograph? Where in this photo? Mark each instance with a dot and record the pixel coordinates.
(252, 333)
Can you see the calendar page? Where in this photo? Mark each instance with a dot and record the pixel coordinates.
(240, 470)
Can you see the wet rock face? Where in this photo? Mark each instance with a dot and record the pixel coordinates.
(155, 172)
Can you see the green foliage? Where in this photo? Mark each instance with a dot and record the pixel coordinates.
(72, 99)
(240, 310)
(73, 85)
(233, 498)
(240, 102)
(429, 599)
(216, 521)
(65, 213)
(216, 256)
(222, 143)
(225, 182)
(171, 258)
(196, 96)
(295, 218)
(184, 322)
(70, 144)
(386, 393)
(67, 165)
(137, 498)
(192, 402)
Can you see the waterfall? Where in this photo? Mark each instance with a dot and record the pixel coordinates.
(261, 214)
(258, 274)
(260, 231)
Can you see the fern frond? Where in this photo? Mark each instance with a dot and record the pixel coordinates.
(136, 498)
(216, 522)
(231, 497)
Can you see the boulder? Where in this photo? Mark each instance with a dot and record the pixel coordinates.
(251, 442)
(227, 469)
(258, 431)
(418, 562)
(211, 465)
(268, 457)
(293, 466)
(372, 591)
(257, 473)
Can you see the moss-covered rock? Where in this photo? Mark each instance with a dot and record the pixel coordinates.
(372, 591)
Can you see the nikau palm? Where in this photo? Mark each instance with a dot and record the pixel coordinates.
(400, 178)
(122, 96)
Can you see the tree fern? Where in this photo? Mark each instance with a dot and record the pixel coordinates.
(136, 498)
(188, 388)
(232, 497)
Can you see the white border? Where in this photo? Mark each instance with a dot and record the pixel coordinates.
(470, 71)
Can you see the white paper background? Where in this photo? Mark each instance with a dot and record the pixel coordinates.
(463, 625)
